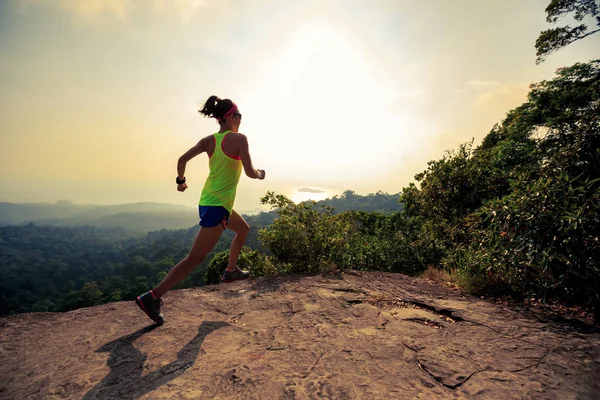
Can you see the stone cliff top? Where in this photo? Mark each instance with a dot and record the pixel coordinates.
(361, 335)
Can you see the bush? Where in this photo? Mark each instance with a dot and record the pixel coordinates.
(256, 262)
(381, 242)
(542, 239)
(305, 237)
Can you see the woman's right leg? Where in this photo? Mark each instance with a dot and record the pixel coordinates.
(205, 241)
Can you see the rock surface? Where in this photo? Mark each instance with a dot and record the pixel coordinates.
(364, 335)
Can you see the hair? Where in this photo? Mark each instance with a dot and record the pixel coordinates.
(216, 107)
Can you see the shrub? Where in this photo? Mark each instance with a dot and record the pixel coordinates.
(305, 237)
(257, 263)
(542, 239)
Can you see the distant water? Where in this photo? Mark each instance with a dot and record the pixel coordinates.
(309, 193)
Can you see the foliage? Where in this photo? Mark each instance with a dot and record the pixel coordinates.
(309, 238)
(453, 187)
(59, 269)
(519, 213)
(253, 260)
(373, 202)
(385, 242)
(347, 201)
(306, 238)
(542, 239)
(49, 268)
(552, 40)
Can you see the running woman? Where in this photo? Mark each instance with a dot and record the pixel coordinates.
(227, 154)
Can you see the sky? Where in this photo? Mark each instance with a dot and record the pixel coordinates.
(99, 98)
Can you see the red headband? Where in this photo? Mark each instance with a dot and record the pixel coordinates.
(228, 113)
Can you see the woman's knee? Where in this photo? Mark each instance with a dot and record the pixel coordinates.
(240, 228)
(195, 259)
(244, 230)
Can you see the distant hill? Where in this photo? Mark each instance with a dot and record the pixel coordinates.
(136, 217)
(146, 217)
(372, 202)
(347, 201)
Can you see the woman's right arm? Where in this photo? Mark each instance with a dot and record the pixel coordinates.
(199, 148)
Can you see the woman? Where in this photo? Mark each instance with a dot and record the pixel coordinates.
(227, 152)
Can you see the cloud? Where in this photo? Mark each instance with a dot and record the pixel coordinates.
(309, 190)
(91, 10)
(502, 96)
(184, 9)
(494, 95)
(87, 10)
(483, 84)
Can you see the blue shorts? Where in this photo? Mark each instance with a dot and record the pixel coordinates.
(211, 216)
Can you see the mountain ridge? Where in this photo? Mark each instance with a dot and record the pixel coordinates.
(141, 217)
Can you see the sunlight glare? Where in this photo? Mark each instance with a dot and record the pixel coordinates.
(326, 104)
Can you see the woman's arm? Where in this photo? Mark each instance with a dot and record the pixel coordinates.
(199, 148)
(247, 160)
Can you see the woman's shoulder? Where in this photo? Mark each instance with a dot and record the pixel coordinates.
(237, 137)
(208, 138)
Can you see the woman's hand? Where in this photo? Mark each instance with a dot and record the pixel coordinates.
(182, 187)
(262, 174)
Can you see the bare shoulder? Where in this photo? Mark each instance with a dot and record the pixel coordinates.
(240, 138)
(207, 138)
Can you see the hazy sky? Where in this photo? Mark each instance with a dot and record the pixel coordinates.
(99, 97)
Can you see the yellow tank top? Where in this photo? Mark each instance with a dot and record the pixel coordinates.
(221, 185)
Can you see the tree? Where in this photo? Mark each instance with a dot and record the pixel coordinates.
(305, 237)
(552, 40)
(541, 237)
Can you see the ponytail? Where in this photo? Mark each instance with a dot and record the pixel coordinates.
(216, 108)
(209, 107)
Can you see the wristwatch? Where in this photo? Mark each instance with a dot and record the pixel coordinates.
(179, 182)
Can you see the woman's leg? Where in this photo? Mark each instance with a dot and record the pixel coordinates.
(205, 241)
(240, 227)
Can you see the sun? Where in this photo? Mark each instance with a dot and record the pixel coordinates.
(322, 95)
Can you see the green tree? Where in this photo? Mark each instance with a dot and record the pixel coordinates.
(542, 240)
(554, 39)
(542, 237)
(305, 237)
